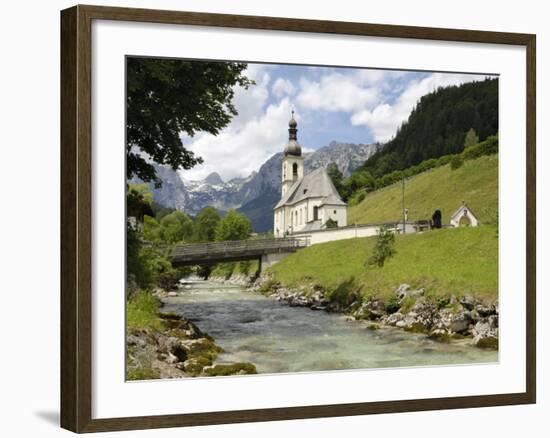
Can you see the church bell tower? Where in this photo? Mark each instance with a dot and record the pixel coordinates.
(293, 162)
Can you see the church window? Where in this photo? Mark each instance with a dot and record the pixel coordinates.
(295, 170)
(315, 213)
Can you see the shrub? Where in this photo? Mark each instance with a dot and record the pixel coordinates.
(330, 223)
(392, 305)
(142, 312)
(383, 248)
(456, 162)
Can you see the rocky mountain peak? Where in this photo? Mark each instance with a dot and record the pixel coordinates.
(214, 179)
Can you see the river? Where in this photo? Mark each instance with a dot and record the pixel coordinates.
(279, 338)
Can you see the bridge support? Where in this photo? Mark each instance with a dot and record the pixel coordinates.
(268, 260)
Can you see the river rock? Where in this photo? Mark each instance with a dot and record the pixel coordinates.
(468, 302)
(440, 335)
(460, 323)
(172, 294)
(404, 291)
(394, 318)
(485, 335)
(373, 309)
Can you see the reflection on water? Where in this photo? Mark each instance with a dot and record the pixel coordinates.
(279, 338)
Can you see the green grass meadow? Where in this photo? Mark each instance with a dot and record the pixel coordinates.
(455, 261)
(475, 182)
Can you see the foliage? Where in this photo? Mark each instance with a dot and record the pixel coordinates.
(152, 231)
(205, 225)
(384, 247)
(331, 223)
(142, 373)
(167, 97)
(487, 147)
(335, 176)
(233, 226)
(154, 269)
(176, 227)
(226, 270)
(476, 182)
(438, 126)
(456, 162)
(359, 180)
(426, 260)
(138, 201)
(471, 138)
(392, 305)
(142, 312)
(173, 228)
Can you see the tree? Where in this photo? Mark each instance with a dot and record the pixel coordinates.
(383, 248)
(138, 201)
(437, 126)
(176, 227)
(335, 176)
(168, 97)
(471, 138)
(205, 225)
(152, 231)
(358, 180)
(234, 226)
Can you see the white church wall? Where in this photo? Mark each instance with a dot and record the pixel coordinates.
(339, 234)
(337, 213)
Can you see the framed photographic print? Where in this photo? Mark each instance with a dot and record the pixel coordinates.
(268, 218)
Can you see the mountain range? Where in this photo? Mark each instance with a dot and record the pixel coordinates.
(256, 194)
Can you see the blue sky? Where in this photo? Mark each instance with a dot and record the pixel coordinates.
(343, 104)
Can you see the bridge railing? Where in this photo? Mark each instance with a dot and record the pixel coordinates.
(238, 246)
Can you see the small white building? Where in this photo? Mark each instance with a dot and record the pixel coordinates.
(464, 217)
(307, 201)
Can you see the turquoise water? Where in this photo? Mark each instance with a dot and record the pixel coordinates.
(278, 338)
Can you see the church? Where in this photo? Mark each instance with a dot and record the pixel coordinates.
(307, 201)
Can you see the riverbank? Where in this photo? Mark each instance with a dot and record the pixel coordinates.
(162, 345)
(411, 309)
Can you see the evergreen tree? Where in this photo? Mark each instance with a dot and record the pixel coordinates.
(471, 138)
(335, 176)
(438, 125)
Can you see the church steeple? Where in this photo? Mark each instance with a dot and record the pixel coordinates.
(293, 162)
(293, 147)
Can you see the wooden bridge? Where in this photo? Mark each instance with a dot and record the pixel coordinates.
(267, 251)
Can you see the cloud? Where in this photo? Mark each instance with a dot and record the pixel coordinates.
(241, 149)
(384, 119)
(283, 87)
(377, 100)
(336, 92)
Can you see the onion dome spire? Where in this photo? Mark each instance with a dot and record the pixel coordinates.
(293, 148)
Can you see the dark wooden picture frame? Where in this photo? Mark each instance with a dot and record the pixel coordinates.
(76, 218)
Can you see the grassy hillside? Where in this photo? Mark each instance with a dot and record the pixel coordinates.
(476, 183)
(450, 261)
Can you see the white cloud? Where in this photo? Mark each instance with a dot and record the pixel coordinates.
(384, 119)
(241, 149)
(336, 92)
(283, 87)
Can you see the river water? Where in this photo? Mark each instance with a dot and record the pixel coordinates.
(279, 338)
